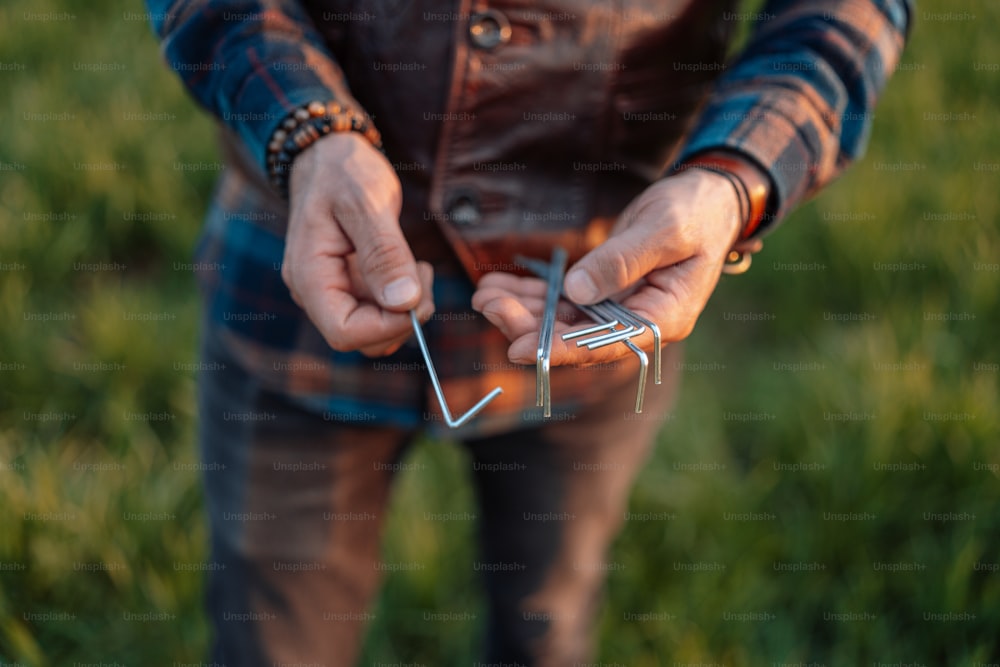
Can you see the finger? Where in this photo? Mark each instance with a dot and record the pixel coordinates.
(424, 312)
(493, 283)
(511, 317)
(346, 323)
(618, 263)
(531, 292)
(674, 297)
(359, 288)
(383, 349)
(516, 317)
(504, 305)
(425, 308)
(385, 261)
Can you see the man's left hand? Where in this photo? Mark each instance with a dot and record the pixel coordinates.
(662, 260)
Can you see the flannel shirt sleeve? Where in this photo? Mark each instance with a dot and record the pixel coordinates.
(249, 62)
(798, 100)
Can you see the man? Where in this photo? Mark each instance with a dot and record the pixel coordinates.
(618, 131)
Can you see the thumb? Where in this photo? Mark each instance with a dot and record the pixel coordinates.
(619, 262)
(386, 264)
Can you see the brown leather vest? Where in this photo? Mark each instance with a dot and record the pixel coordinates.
(514, 125)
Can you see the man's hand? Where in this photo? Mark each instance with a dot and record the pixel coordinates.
(346, 261)
(666, 252)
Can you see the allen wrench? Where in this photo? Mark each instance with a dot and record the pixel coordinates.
(608, 315)
(614, 337)
(610, 309)
(474, 410)
(627, 314)
(543, 366)
(603, 311)
(643, 368)
(604, 326)
(604, 314)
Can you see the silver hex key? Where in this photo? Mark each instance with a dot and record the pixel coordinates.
(448, 419)
(614, 324)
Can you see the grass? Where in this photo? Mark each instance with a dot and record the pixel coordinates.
(891, 417)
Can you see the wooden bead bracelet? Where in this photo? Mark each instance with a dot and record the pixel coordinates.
(303, 127)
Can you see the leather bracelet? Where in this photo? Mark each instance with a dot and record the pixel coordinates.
(741, 192)
(753, 186)
(301, 128)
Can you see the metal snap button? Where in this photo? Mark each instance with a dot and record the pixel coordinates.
(489, 29)
(464, 211)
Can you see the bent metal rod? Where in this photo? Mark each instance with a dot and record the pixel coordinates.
(474, 410)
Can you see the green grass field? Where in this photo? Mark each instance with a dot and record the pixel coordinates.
(860, 351)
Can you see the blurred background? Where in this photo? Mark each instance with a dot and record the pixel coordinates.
(825, 492)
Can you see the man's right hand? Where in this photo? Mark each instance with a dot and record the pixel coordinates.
(346, 261)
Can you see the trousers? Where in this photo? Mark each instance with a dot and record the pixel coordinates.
(296, 502)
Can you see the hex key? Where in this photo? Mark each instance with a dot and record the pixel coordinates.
(604, 326)
(453, 423)
(610, 309)
(625, 312)
(617, 337)
(600, 313)
(543, 382)
(596, 313)
(643, 366)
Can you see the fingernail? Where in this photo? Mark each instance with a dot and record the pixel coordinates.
(580, 288)
(399, 292)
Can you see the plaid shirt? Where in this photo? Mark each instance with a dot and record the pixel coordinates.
(797, 101)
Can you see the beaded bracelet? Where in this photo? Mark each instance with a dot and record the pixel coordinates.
(303, 127)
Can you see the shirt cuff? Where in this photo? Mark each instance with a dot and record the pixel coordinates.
(762, 130)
